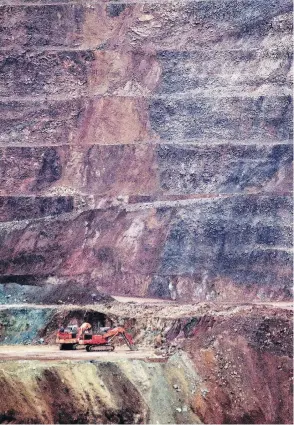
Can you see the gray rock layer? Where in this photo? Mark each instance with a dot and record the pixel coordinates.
(145, 147)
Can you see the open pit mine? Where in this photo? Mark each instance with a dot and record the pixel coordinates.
(146, 212)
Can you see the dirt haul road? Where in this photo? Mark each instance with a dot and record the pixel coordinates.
(52, 352)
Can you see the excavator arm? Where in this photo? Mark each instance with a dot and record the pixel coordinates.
(119, 331)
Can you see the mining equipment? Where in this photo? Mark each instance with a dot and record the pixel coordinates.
(72, 336)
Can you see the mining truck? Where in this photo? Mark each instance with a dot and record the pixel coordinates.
(72, 336)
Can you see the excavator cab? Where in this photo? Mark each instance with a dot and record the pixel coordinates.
(87, 335)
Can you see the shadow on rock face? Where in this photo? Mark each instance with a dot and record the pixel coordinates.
(32, 289)
(51, 169)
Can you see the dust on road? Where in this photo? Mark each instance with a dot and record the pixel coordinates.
(52, 352)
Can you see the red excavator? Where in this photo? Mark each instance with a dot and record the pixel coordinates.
(70, 337)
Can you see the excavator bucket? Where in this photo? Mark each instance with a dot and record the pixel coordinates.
(129, 341)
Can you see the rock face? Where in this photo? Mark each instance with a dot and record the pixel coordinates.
(145, 147)
(244, 361)
(231, 365)
(107, 392)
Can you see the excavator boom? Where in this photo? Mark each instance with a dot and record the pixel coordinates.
(113, 333)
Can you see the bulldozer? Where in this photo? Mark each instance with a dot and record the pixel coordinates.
(72, 336)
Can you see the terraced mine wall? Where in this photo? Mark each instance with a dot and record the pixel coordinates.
(145, 148)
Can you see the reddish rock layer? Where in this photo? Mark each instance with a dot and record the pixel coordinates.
(107, 105)
(245, 364)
